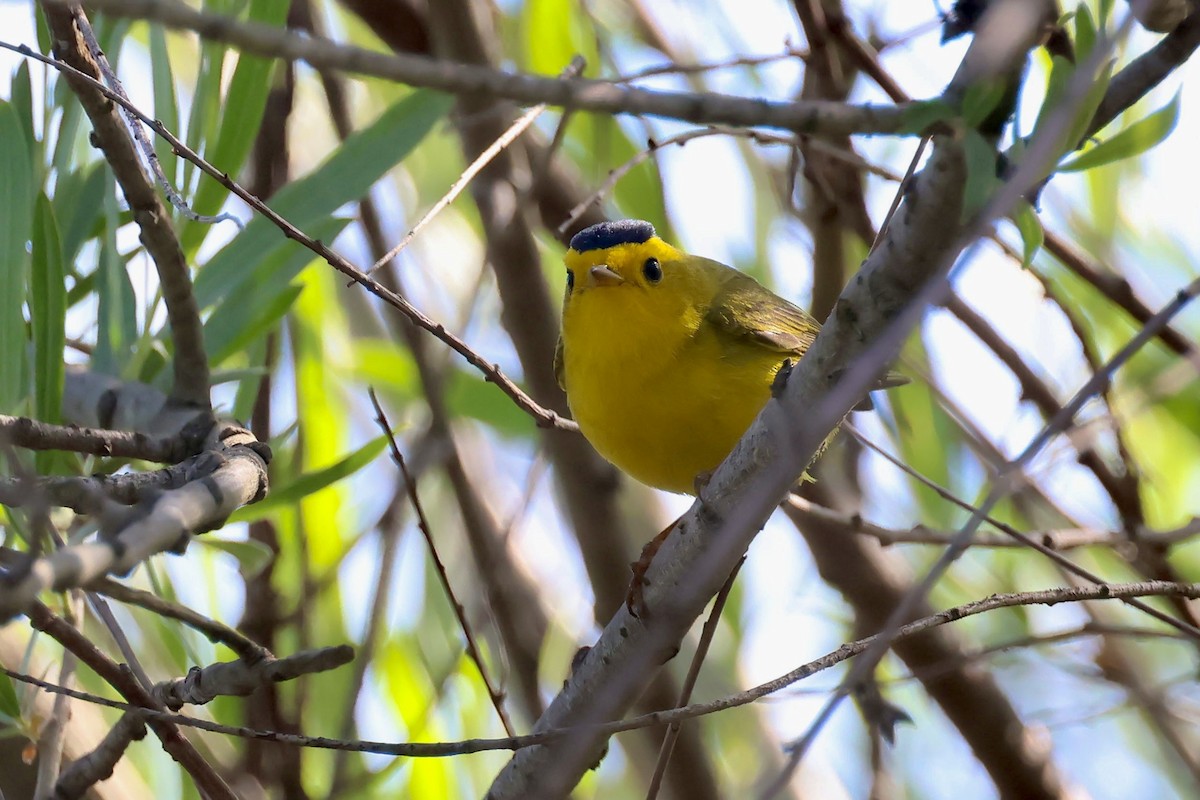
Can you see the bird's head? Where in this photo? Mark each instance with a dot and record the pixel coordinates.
(624, 253)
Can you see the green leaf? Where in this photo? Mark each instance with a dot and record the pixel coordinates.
(344, 177)
(116, 329)
(312, 482)
(48, 312)
(386, 366)
(241, 116)
(252, 557)
(16, 176)
(554, 32)
(1056, 86)
(470, 395)
(232, 327)
(242, 317)
(1091, 102)
(981, 100)
(981, 173)
(205, 115)
(921, 115)
(1030, 228)
(1085, 33)
(79, 203)
(166, 104)
(22, 100)
(10, 706)
(1133, 141)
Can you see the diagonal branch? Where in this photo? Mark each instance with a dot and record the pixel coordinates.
(191, 382)
(206, 778)
(225, 478)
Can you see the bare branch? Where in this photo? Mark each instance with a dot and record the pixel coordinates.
(231, 475)
(205, 777)
(239, 678)
(1058, 539)
(245, 648)
(459, 78)
(34, 435)
(543, 417)
(98, 765)
(410, 486)
(1048, 597)
(190, 363)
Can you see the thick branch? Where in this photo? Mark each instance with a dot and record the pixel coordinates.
(35, 435)
(206, 778)
(741, 495)
(239, 678)
(227, 478)
(191, 383)
(585, 95)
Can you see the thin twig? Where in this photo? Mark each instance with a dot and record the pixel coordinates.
(1010, 476)
(543, 417)
(215, 631)
(496, 696)
(202, 773)
(689, 682)
(675, 68)
(1049, 597)
(1026, 540)
(1057, 539)
(516, 129)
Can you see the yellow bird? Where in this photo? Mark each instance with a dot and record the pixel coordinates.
(666, 358)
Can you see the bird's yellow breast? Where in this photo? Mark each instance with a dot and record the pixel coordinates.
(653, 388)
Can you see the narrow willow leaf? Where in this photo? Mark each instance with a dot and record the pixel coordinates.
(981, 100)
(241, 111)
(21, 93)
(9, 705)
(229, 332)
(252, 556)
(241, 318)
(1091, 102)
(1030, 228)
(553, 32)
(1085, 33)
(981, 172)
(166, 104)
(116, 329)
(344, 177)
(16, 218)
(48, 312)
(921, 115)
(79, 207)
(471, 396)
(312, 482)
(1133, 141)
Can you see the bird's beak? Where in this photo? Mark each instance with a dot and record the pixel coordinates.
(602, 275)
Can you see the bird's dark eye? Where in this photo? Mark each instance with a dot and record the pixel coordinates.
(570, 281)
(652, 270)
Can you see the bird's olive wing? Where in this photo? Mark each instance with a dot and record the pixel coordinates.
(558, 364)
(744, 309)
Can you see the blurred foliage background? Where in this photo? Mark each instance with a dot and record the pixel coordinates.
(535, 531)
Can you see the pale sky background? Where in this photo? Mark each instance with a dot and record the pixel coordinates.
(788, 621)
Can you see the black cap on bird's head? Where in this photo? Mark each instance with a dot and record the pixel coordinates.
(604, 235)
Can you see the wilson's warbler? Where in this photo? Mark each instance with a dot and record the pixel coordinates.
(666, 358)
